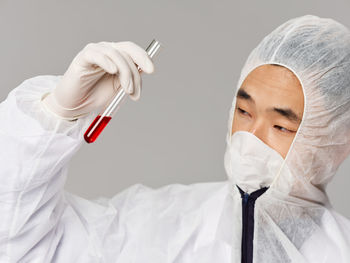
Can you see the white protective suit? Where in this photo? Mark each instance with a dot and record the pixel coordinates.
(294, 221)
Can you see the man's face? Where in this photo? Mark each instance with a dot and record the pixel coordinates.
(270, 105)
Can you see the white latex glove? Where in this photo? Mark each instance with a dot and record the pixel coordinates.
(95, 76)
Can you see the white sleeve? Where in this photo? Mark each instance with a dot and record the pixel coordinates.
(41, 222)
(36, 148)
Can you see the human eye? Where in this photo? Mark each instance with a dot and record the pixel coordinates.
(282, 129)
(241, 111)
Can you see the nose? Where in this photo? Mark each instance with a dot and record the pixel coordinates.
(258, 129)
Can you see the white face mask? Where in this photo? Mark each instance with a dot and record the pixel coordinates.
(250, 163)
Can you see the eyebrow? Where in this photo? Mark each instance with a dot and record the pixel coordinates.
(285, 112)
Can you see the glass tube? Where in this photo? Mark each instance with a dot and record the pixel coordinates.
(102, 119)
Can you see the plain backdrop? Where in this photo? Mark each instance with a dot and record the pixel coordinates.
(176, 132)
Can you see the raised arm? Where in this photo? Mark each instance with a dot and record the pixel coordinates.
(42, 125)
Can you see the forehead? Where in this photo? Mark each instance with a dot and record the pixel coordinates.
(274, 85)
(274, 76)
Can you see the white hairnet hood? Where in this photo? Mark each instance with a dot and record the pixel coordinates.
(317, 50)
(296, 207)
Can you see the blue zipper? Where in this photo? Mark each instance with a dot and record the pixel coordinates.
(245, 198)
(245, 218)
(248, 203)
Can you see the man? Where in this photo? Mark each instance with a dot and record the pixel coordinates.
(288, 132)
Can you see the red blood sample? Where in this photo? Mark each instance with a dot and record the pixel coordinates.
(98, 129)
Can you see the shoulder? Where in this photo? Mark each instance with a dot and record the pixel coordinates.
(343, 223)
(333, 234)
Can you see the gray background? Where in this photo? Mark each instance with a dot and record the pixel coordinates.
(176, 132)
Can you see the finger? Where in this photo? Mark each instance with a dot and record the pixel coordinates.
(93, 57)
(125, 73)
(114, 55)
(136, 77)
(138, 55)
(108, 87)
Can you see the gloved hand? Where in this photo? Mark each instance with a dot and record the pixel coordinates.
(95, 76)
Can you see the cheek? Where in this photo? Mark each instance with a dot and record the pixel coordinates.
(239, 123)
(279, 142)
(234, 124)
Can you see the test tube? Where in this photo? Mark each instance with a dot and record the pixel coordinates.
(101, 121)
